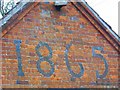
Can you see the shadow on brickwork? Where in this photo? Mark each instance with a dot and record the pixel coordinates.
(60, 89)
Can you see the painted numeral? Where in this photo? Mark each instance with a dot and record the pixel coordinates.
(74, 75)
(105, 62)
(17, 43)
(47, 59)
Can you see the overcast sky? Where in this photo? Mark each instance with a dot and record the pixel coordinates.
(107, 9)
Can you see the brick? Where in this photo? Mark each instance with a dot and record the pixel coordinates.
(59, 27)
(45, 13)
(63, 18)
(22, 82)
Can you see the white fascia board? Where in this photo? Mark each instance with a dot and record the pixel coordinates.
(60, 2)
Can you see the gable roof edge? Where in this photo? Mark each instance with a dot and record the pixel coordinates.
(16, 9)
(105, 26)
(101, 28)
(22, 3)
(100, 19)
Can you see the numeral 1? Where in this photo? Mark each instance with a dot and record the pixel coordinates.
(17, 43)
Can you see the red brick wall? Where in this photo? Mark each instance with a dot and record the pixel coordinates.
(66, 32)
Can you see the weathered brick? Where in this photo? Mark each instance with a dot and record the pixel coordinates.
(69, 34)
(22, 82)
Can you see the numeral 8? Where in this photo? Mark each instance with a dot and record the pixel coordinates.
(46, 58)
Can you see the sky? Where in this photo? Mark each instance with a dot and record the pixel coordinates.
(107, 10)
